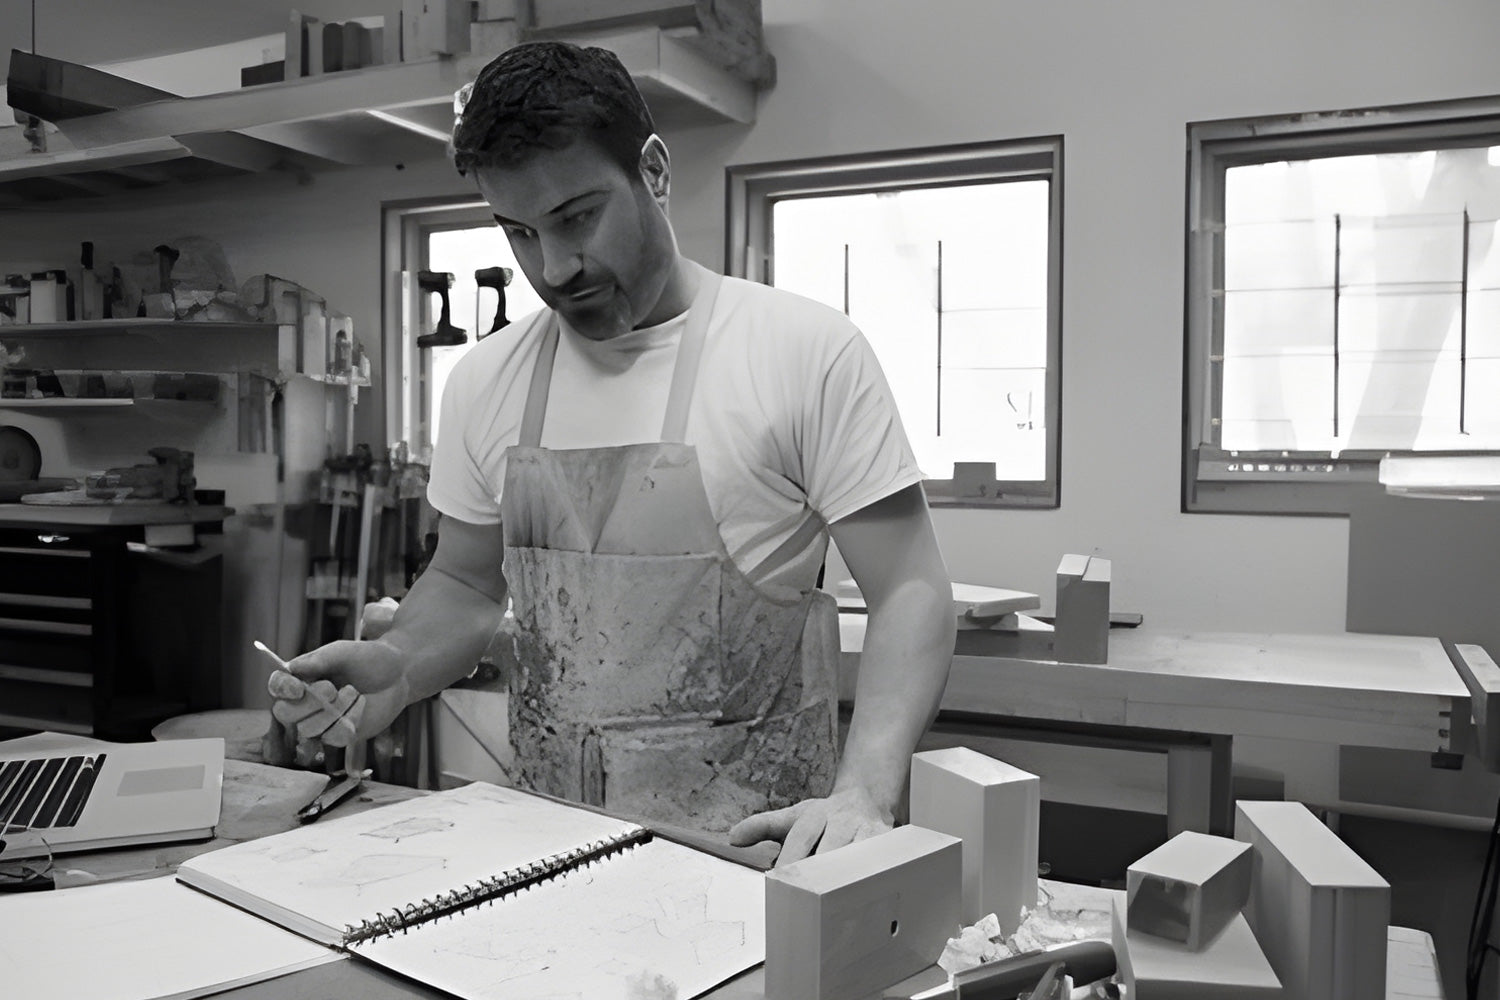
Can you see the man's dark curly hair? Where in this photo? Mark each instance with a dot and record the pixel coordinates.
(546, 95)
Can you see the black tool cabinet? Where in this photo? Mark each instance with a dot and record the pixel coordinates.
(102, 639)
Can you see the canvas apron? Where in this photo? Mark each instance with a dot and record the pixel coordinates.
(655, 678)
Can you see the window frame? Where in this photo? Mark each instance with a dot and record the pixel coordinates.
(405, 226)
(753, 189)
(1307, 484)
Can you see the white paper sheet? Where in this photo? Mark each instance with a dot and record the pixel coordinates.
(143, 940)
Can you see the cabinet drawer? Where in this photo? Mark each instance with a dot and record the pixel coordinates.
(62, 707)
(46, 572)
(47, 651)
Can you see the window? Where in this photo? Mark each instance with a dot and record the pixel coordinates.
(457, 238)
(1343, 301)
(947, 260)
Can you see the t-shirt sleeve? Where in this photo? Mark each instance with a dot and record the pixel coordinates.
(456, 486)
(855, 450)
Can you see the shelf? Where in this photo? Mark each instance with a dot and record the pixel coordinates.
(63, 403)
(375, 115)
(156, 345)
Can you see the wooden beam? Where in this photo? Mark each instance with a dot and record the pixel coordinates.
(155, 149)
(658, 62)
(729, 33)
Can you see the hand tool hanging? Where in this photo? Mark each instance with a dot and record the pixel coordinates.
(446, 334)
(496, 278)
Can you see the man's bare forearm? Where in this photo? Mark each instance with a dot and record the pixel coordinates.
(441, 629)
(903, 670)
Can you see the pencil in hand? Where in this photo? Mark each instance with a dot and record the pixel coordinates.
(316, 709)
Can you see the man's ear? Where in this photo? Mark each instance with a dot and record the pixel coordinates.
(656, 168)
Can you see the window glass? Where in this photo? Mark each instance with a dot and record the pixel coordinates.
(1343, 300)
(949, 284)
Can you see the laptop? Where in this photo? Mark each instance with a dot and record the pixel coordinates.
(67, 793)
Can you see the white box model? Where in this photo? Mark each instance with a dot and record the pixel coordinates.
(995, 810)
(1189, 888)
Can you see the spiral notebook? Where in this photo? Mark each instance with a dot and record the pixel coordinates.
(487, 892)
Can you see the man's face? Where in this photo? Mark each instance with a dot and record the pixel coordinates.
(592, 238)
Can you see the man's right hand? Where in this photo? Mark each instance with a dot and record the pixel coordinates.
(373, 671)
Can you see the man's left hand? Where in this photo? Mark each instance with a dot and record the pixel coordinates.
(815, 826)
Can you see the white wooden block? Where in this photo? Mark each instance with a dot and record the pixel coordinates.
(994, 809)
(434, 27)
(1231, 966)
(1319, 911)
(853, 921)
(1082, 610)
(494, 37)
(497, 10)
(390, 32)
(1189, 888)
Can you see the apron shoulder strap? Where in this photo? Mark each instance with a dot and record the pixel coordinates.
(689, 355)
(541, 380)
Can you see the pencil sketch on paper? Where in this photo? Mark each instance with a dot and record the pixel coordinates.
(415, 826)
(657, 921)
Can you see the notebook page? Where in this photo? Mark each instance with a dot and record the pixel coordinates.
(657, 921)
(139, 940)
(339, 872)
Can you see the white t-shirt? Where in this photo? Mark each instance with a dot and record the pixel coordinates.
(791, 417)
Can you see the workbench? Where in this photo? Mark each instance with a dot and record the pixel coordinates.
(260, 800)
(1190, 695)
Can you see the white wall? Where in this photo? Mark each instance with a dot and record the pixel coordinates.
(1119, 81)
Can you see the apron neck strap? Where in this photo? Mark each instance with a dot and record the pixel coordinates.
(684, 373)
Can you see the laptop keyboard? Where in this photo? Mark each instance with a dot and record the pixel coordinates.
(45, 793)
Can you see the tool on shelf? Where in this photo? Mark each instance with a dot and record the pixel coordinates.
(496, 278)
(446, 334)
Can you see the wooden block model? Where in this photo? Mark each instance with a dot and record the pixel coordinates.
(297, 52)
(994, 809)
(1318, 910)
(851, 922)
(1231, 966)
(434, 27)
(1082, 610)
(1189, 889)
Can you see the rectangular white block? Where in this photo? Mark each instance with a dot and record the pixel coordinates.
(1231, 966)
(1082, 610)
(1319, 911)
(848, 923)
(995, 810)
(1188, 889)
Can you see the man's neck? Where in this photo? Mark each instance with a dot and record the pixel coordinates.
(676, 295)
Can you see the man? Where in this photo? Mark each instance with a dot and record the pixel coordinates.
(649, 470)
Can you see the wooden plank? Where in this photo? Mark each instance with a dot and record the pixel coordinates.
(48, 165)
(1481, 676)
(1230, 967)
(659, 63)
(995, 810)
(853, 921)
(1319, 911)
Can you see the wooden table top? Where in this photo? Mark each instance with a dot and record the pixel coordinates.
(261, 800)
(1352, 689)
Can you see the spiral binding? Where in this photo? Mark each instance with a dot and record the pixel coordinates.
(486, 890)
